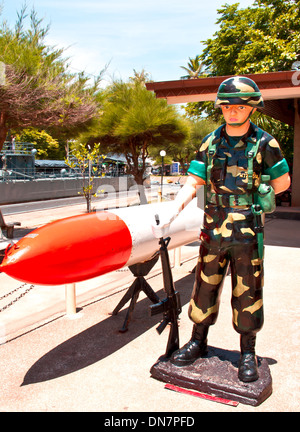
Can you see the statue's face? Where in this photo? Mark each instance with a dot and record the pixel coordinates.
(236, 114)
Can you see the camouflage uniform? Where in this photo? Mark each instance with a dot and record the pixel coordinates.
(232, 172)
(228, 236)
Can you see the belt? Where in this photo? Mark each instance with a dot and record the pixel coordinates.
(226, 200)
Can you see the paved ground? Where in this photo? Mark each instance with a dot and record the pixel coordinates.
(53, 362)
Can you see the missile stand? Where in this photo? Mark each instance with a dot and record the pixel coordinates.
(139, 270)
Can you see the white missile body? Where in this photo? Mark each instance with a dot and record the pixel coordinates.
(183, 230)
(85, 246)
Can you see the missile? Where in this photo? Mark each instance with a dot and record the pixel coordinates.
(81, 247)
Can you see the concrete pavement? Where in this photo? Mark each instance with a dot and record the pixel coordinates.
(53, 362)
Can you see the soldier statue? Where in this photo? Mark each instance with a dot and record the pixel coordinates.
(241, 167)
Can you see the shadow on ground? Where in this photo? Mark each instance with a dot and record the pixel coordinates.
(100, 340)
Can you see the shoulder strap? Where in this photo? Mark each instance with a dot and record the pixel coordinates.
(212, 148)
(210, 153)
(251, 151)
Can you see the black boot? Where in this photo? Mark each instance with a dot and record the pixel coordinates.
(195, 348)
(248, 368)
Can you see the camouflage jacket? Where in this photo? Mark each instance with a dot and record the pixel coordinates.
(230, 218)
(229, 172)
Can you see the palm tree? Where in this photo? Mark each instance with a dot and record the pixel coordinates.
(194, 68)
(140, 77)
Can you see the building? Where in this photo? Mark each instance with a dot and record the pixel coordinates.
(281, 93)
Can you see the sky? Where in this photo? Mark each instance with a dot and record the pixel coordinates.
(158, 36)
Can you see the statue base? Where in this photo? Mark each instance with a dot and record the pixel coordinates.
(217, 374)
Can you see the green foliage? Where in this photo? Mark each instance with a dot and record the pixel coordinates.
(134, 120)
(283, 133)
(201, 128)
(185, 151)
(38, 90)
(46, 146)
(194, 110)
(194, 68)
(24, 49)
(88, 161)
(264, 37)
(140, 77)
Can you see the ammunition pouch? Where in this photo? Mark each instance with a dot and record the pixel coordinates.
(264, 202)
(265, 196)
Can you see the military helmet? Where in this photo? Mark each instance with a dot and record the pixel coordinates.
(239, 91)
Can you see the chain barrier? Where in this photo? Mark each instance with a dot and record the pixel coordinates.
(17, 298)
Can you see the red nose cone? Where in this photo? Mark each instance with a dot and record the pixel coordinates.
(70, 250)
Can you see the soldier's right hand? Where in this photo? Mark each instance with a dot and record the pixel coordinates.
(164, 218)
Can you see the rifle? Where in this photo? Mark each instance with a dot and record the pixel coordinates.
(171, 305)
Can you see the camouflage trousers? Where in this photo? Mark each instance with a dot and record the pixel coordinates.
(247, 277)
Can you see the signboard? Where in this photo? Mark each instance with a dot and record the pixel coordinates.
(175, 168)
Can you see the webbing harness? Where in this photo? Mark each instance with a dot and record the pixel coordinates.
(243, 199)
(250, 153)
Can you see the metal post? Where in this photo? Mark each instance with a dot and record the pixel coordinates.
(70, 299)
(163, 154)
(177, 257)
(159, 197)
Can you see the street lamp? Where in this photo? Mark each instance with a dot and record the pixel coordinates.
(163, 154)
(33, 152)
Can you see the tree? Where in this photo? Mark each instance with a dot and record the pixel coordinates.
(194, 68)
(140, 77)
(132, 121)
(175, 152)
(185, 151)
(36, 89)
(262, 38)
(199, 129)
(46, 146)
(283, 133)
(88, 161)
